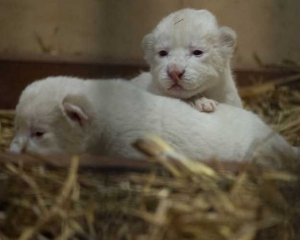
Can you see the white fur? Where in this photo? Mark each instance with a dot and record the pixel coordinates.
(118, 113)
(208, 75)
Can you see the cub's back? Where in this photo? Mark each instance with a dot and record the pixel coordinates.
(132, 112)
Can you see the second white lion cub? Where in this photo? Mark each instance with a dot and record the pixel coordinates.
(189, 57)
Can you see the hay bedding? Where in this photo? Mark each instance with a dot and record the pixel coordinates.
(176, 199)
(279, 108)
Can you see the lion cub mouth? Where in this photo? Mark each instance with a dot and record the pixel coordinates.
(176, 87)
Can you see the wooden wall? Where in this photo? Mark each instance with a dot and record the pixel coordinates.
(110, 31)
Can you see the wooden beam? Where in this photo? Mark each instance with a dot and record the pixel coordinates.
(86, 162)
(100, 163)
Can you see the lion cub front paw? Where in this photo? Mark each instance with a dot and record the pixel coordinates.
(204, 104)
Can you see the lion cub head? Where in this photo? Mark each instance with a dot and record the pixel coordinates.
(188, 52)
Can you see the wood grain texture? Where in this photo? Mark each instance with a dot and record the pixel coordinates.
(101, 163)
(110, 31)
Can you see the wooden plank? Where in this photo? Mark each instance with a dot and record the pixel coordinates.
(86, 162)
(101, 163)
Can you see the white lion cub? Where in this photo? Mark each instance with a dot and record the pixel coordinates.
(189, 57)
(59, 115)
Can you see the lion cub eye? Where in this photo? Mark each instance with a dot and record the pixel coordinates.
(197, 52)
(163, 53)
(38, 134)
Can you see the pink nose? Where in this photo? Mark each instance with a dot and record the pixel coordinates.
(175, 75)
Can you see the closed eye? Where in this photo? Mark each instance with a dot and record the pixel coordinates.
(38, 134)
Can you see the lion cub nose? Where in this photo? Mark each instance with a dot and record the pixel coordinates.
(175, 75)
(17, 146)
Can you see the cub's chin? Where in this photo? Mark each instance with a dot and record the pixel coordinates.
(178, 92)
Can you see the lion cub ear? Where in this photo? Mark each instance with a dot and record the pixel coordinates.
(227, 37)
(147, 42)
(76, 108)
(147, 45)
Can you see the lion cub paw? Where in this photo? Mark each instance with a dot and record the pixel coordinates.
(204, 104)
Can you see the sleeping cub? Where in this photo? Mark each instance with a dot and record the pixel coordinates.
(189, 57)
